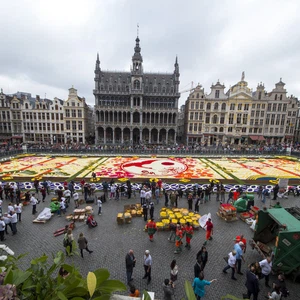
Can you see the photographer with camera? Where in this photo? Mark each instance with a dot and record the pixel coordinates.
(168, 288)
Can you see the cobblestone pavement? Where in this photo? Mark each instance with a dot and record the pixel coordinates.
(110, 243)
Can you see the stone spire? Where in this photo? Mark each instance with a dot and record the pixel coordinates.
(176, 65)
(97, 67)
(137, 50)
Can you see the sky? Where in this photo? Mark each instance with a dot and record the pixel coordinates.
(49, 46)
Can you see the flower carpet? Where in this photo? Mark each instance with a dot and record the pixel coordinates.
(187, 168)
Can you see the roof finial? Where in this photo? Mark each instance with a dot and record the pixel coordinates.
(243, 76)
(280, 78)
(137, 29)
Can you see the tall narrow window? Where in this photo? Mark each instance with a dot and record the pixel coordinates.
(217, 94)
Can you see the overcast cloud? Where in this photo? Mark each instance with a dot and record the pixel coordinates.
(48, 46)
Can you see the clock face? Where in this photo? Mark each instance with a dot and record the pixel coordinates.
(154, 166)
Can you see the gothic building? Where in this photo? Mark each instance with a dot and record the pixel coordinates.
(136, 107)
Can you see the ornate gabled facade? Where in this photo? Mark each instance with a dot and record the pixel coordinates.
(25, 119)
(76, 113)
(240, 116)
(136, 107)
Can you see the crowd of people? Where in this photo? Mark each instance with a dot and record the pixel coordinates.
(150, 195)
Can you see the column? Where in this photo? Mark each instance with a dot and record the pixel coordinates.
(104, 136)
(175, 136)
(96, 136)
(113, 131)
(149, 135)
(131, 136)
(131, 118)
(141, 136)
(141, 119)
(122, 134)
(167, 136)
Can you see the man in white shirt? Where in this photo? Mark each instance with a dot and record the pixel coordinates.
(147, 265)
(76, 198)
(112, 191)
(148, 196)
(67, 195)
(231, 264)
(2, 228)
(266, 268)
(10, 208)
(142, 196)
(33, 202)
(14, 220)
(99, 203)
(18, 210)
(7, 222)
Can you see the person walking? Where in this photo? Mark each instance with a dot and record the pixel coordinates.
(99, 203)
(172, 235)
(147, 266)
(275, 192)
(174, 270)
(168, 288)
(199, 285)
(189, 231)
(209, 230)
(142, 196)
(83, 244)
(231, 264)
(202, 257)
(252, 284)
(76, 199)
(151, 228)
(68, 242)
(151, 210)
(44, 193)
(239, 256)
(145, 211)
(178, 239)
(130, 264)
(18, 210)
(157, 194)
(266, 268)
(33, 202)
(14, 220)
(2, 229)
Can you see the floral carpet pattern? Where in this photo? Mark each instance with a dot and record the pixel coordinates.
(228, 168)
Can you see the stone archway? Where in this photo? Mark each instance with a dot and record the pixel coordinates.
(163, 136)
(171, 139)
(118, 135)
(109, 135)
(100, 131)
(145, 135)
(126, 135)
(136, 136)
(154, 136)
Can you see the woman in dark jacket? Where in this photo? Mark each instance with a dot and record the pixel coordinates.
(82, 244)
(202, 257)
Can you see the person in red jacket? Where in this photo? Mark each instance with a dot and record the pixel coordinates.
(209, 230)
(151, 227)
(189, 231)
(178, 239)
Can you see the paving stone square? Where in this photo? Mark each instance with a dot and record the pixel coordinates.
(110, 243)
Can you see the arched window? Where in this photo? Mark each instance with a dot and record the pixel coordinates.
(280, 97)
(26, 105)
(197, 96)
(208, 106)
(223, 107)
(216, 106)
(276, 97)
(221, 129)
(215, 119)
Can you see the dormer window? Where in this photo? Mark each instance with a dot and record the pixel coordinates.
(259, 96)
(276, 97)
(280, 97)
(217, 94)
